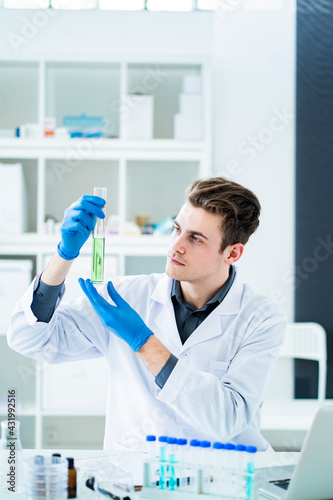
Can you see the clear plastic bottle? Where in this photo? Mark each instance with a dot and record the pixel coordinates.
(11, 461)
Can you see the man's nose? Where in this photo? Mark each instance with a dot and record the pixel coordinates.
(178, 244)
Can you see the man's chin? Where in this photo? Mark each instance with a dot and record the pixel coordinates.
(172, 273)
(169, 271)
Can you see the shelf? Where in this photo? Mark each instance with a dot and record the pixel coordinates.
(32, 243)
(144, 178)
(49, 147)
(72, 413)
(21, 413)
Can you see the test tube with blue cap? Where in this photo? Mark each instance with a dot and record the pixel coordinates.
(172, 459)
(240, 470)
(228, 483)
(182, 448)
(250, 471)
(163, 458)
(194, 461)
(151, 446)
(206, 464)
(182, 459)
(98, 251)
(218, 458)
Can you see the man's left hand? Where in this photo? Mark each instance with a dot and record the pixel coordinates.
(121, 319)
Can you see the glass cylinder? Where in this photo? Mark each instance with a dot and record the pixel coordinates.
(98, 250)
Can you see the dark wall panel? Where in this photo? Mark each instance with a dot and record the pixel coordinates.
(314, 180)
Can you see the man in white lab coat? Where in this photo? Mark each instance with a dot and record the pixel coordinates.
(190, 351)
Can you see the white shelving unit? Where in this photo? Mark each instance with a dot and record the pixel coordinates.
(143, 178)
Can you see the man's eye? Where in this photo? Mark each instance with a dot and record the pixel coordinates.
(194, 238)
(176, 228)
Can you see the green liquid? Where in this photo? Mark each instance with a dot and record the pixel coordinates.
(97, 270)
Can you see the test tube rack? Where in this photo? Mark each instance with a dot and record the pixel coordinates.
(188, 481)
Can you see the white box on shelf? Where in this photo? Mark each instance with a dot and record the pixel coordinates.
(190, 104)
(12, 199)
(187, 127)
(138, 117)
(192, 84)
(15, 277)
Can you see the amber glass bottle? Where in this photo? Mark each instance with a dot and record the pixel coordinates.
(71, 478)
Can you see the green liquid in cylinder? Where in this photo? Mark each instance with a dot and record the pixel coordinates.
(97, 271)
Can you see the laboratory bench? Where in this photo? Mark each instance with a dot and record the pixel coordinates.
(133, 461)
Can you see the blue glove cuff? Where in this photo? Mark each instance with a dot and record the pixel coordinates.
(66, 255)
(139, 341)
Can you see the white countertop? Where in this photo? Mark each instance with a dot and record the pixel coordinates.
(133, 461)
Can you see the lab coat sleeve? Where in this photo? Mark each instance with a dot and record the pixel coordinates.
(226, 407)
(73, 333)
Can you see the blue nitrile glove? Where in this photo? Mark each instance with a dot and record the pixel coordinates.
(79, 221)
(121, 319)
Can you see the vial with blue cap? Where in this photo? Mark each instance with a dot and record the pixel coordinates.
(182, 467)
(218, 459)
(172, 449)
(241, 461)
(250, 472)
(194, 462)
(230, 462)
(163, 458)
(206, 465)
(151, 447)
(194, 451)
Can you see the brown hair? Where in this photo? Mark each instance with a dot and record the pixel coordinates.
(238, 207)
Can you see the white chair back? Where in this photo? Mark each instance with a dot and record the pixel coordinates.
(303, 341)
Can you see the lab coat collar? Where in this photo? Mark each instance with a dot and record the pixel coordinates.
(209, 328)
(165, 318)
(212, 326)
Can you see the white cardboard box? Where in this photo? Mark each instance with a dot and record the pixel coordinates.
(12, 199)
(15, 277)
(190, 104)
(187, 127)
(192, 83)
(138, 118)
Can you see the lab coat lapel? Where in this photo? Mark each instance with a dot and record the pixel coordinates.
(212, 326)
(165, 317)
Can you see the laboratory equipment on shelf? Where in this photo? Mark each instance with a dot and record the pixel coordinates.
(84, 126)
(98, 250)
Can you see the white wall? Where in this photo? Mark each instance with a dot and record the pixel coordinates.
(105, 33)
(253, 54)
(254, 81)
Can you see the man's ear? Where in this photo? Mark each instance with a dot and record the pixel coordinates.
(233, 253)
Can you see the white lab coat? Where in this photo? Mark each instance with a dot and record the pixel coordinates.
(214, 392)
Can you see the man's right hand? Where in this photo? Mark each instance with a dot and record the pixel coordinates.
(79, 221)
